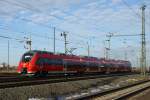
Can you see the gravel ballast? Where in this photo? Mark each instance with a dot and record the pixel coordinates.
(58, 89)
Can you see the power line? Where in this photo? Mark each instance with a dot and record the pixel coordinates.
(29, 8)
(7, 37)
(137, 14)
(36, 10)
(125, 35)
(41, 36)
(28, 20)
(36, 35)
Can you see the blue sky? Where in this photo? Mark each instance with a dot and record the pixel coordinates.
(83, 20)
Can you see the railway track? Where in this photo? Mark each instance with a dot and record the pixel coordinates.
(2, 74)
(27, 81)
(25, 78)
(120, 93)
(29, 78)
(134, 91)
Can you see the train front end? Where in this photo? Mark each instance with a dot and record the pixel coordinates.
(27, 63)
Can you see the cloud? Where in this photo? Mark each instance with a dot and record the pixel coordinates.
(116, 1)
(40, 18)
(81, 18)
(13, 7)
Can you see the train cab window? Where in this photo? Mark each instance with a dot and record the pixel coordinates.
(27, 57)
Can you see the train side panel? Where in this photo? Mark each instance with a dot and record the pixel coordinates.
(38, 62)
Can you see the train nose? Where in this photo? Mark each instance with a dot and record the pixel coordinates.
(24, 71)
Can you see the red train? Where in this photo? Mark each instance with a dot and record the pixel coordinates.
(43, 62)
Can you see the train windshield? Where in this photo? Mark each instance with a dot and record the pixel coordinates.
(27, 57)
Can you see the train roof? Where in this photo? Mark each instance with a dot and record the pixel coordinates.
(63, 54)
(39, 51)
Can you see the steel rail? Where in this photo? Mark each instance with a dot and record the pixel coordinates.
(120, 93)
(23, 78)
(38, 81)
(132, 93)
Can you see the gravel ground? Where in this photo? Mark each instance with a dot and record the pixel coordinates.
(55, 89)
(8, 72)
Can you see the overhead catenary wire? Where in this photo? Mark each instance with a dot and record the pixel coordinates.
(29, 8)
(47, 26)
(137, 14)
(7, 37)
(36, 10)
(40, 36)
(134, 12)
(39, 11)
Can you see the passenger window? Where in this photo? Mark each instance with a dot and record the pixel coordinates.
(47, 61)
